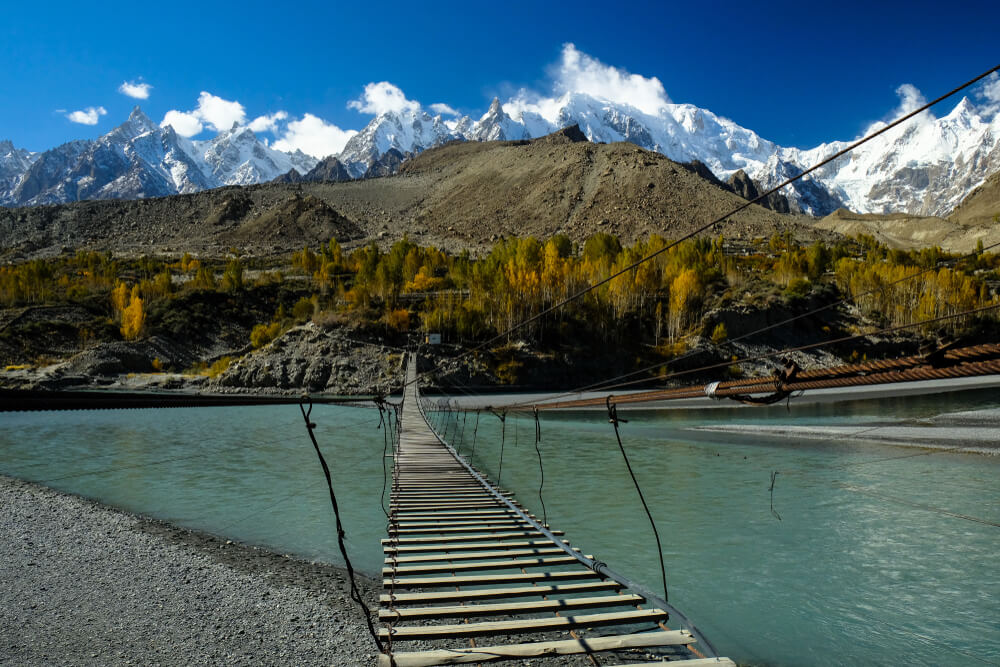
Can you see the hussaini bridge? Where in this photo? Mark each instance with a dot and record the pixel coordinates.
(472, 577)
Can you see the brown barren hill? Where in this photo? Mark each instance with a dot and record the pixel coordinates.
(981, 207)
(562, 183)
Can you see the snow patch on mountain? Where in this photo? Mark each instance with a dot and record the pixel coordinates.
(139, 159)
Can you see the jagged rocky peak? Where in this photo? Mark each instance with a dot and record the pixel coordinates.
(329, 169)
(290, 176)
(571, 134)
(387, 165)
(138, 123)
(743, 185)
(749, 189)
(497, 125)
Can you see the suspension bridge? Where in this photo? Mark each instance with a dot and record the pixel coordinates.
(464, 561)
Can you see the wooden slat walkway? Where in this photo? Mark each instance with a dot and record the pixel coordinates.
(457, 548)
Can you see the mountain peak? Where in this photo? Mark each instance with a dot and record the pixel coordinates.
(964, 108)
(139, 116)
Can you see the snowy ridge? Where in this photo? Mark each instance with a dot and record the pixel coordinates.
(407, 131)
(139, 159)
(924, 167)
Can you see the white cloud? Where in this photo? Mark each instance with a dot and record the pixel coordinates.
(88, 116)
(382, 97)
(910, 99)
(579, 73)
(139, 91)
(219, 114)
(213, 112)
(268, 123)
(989, 92)
(313, 136)
(185, 124)
(443, 109)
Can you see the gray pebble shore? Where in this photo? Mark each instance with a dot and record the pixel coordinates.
(86, 584)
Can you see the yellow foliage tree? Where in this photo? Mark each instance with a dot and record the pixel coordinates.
(119, 299)
(398, 319)
(684, 291)
(133, 317)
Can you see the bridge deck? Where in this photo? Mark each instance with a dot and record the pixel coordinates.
(483, 567)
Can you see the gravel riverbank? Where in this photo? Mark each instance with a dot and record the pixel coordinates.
(86, 584)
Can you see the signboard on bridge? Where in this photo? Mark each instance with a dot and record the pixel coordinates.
(432, 339)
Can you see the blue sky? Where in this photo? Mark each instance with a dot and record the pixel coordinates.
(796, 73)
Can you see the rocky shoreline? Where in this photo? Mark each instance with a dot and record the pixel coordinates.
(86, 584)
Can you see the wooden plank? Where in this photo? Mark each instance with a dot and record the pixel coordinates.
(432, 506)
(468, 537)
(549, 624)
(480, 580)
(475, 555)
(501, 609)
(535, 649)
(696, 662)
(474, 528)
(472, 546)
(411, 526)
(498, 593)
(468, 514)
(484, 565)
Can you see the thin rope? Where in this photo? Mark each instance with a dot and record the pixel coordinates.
(503, 439)
(541, 470)
(474, 432)
(613, 418)
(380, 402)
(355, 593)
(774, 476)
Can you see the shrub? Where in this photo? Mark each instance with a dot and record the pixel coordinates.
(262, 334)
(303, 309)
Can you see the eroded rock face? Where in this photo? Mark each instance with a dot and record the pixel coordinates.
(115, 358)
(308, 358)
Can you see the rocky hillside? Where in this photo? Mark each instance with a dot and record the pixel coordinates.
(981, 207)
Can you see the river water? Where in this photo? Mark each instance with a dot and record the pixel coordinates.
(863, 553)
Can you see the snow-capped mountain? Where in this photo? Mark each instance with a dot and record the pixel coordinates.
(924, 167)
(237, 157)
(407, 131)
(13, 163)
(139, 159)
